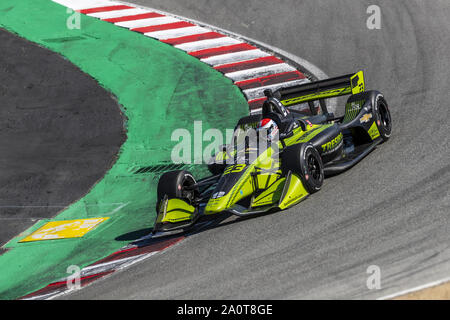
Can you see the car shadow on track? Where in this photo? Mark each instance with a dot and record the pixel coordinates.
(143, 237)
(134, 235)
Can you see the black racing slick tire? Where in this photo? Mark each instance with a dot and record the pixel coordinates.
(383, 117)
(173, 184)
(304, 160)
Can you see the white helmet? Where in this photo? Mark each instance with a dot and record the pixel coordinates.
(270, 127)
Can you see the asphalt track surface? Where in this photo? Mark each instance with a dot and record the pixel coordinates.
(59, 133)
(391, 210)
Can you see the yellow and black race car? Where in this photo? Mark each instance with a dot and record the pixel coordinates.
(254, 175)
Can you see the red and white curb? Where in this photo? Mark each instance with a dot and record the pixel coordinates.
(253, 67)
(117, 261)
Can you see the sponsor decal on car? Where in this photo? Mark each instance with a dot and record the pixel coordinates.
(373, 131)
(332, 145)
(365, 118)
(234, 168)
(352, 110)
(317, 95)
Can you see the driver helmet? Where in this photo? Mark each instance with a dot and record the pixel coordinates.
(269, 126)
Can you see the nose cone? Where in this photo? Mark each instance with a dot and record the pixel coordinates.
(216, 205)
(232, 187)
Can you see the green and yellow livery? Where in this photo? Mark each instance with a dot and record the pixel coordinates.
(313, 143)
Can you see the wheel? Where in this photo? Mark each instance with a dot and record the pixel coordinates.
(173, 184)
(383, 117)
(304, 160)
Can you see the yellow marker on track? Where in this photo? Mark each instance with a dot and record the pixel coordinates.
(64, 229)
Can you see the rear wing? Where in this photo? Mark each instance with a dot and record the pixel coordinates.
(320, 90)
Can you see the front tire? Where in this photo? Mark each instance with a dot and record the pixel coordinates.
(173, 184)
(304, 160)
(383, 117)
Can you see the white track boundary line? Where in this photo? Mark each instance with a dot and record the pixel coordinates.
(82, 4)
(258, 72)
(117, 13)
(207, 44)
(121, 268)
(132, 24)
(103, 267)
(418, 288)
(234, 57)
(139, 258)
(176, 33)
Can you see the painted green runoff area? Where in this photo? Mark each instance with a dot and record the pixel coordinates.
(160, 89)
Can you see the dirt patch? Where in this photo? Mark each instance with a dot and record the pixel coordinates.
(440, 292)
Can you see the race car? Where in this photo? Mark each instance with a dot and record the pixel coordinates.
(311, 144)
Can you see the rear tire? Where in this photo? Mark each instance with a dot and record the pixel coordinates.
(383, 117)
(304, 160)
(173, 184)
